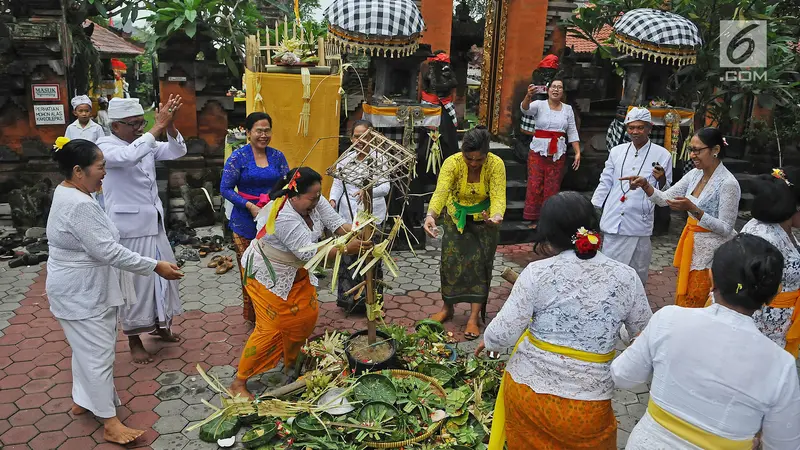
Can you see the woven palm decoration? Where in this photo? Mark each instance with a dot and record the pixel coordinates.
(386, 161)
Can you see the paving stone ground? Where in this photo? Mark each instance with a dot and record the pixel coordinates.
(166, 396)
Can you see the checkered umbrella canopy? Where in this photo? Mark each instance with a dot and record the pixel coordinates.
(658, 36)
(384, 27)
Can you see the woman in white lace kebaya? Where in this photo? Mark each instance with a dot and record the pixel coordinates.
(564, 313)
(710, 195)
(774, 215)
(89, 280)
(286, 305)
(716, 379)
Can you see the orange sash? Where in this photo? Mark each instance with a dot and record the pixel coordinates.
(789, 300)
(683, 255)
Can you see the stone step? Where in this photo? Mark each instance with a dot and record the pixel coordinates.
(737, 165)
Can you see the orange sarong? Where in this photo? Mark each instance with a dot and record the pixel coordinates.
(686, 276)
(548, 422)
(282, 326)
(790, 300)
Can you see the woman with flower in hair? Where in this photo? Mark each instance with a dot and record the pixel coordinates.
(90, 282)
(284, 294)
(774, 214)
(710, 195)
(564, 314)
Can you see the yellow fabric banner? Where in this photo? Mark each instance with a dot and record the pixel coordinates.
(281, 96)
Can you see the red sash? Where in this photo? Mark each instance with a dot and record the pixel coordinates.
(435, 99)
(553, 136)
(262, 199)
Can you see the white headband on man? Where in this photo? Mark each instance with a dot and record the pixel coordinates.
(636, 114)
(122, 108)
(81, 100)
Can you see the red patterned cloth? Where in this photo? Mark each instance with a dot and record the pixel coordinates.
(241, 245)
(544, 181)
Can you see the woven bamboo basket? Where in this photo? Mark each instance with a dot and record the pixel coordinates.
(437, 388)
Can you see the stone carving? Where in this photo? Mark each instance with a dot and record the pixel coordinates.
(30, 205)
(197, 205)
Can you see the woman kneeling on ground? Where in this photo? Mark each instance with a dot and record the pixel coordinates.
(286, 307)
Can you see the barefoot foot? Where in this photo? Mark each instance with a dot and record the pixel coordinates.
(77, 410)
(115, 431)
(140, 355)
(167, 335)
(443, 316)
(240, 387)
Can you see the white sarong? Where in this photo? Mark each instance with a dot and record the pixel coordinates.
(158, 300)
(635, 251)
(93, 343)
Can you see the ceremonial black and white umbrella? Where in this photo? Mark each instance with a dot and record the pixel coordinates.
(657, 36)
(388, 28)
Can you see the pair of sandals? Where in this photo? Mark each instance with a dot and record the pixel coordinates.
(470, 333)
(27, 260)
(210, 245)
(223, 264)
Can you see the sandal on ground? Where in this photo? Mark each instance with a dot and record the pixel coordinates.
(204, 251)
(472, 335)
(225, 265)
(215, 261)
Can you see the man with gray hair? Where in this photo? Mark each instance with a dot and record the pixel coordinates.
(132, 203)
(627, 220)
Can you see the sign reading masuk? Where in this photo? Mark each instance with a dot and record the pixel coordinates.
(45, 92)
(49, 114)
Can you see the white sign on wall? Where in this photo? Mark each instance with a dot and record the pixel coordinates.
(49, 114)
(45, 92)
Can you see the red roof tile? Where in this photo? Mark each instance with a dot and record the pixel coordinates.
(110, 44)
(580, 45)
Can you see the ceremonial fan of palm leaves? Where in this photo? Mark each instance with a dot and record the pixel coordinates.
(385, 161)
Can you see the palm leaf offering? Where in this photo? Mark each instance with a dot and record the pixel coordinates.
(448, 409)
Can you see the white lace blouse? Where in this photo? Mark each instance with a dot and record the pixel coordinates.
(720, 204)
(573, 303)
(774, 322)
(291, 234)
(550, 120)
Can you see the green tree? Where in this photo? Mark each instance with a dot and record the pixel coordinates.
(705, 83)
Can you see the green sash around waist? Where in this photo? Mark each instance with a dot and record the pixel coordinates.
(461, 212)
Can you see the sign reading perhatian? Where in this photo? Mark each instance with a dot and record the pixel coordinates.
(45, 92)
(49, 114)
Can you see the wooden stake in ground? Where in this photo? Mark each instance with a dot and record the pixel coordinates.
(366, 200)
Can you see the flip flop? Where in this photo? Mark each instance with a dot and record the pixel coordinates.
(204, 251)
(215, 261)
(470, 336)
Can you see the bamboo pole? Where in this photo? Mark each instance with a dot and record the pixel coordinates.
(370, 278)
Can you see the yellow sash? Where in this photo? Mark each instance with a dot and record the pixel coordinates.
(693, 434)
(683, 255)
(497, 438)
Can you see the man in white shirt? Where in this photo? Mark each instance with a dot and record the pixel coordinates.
(627, 221)
(84, 127)
(132, 203)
